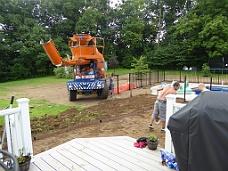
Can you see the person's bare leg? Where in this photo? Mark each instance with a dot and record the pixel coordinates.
(151, 122)
(152, 119)
(110, 93)
(163, 126)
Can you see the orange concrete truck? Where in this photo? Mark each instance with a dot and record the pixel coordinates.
(88, 65)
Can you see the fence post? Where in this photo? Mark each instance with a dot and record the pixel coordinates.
(118, 86)
(180, 76)
(164, 75)
(218, 78)
(185, 86)
(170, 100)
(198, 77)
(130, 86)
(146, 78)
(24, 123)
(129, 80)
(211, 83)
(141, 79)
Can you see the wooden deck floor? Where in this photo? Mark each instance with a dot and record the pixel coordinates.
(104, 153)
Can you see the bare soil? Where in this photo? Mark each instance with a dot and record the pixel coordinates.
(128, 114)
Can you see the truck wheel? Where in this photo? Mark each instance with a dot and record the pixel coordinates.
(99, 93)
(104, 92)
(72, 95)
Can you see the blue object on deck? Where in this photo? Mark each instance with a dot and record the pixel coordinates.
(169, 159)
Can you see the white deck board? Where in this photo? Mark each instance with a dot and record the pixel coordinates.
(103, 154)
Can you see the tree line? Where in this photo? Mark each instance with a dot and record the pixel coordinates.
(168, 34)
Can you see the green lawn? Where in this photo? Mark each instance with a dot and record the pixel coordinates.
(37, 108)
(41, 108)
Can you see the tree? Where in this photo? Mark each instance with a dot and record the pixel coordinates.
(215, 35)
(113, 62)
(140, 64)
(88, 22)
(200, 34)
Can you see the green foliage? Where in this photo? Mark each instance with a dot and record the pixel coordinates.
(152, 137)
(22, 158)
(205, 70)
(140, 64)
(88, 22)
(63, 72)
(215, 36)
(200, 34)
(130, 30)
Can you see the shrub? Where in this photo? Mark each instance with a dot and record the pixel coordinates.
(61, 72)
(205, 70)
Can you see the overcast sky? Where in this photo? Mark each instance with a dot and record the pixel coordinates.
(114, 2)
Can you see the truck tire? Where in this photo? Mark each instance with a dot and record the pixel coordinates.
(104, 92)
(99, 93)
(72, 95)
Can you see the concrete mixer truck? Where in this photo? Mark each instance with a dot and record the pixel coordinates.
(89, 66)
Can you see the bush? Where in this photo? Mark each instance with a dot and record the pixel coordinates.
(61, 72)
(205, 70)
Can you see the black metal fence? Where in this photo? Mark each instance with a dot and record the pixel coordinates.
(152, 78)
(192, 76)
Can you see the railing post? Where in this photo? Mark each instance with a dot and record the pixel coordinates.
(170, 101)
(15, 133)
(8, 134)
(24, 124)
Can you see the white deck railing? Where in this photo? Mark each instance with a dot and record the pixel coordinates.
(171, 108)
(18, 129)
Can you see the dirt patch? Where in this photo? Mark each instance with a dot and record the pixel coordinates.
(128, 114)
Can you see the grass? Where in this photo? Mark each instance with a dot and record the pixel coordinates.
(29, 82)
(120, 71)
(37, 108)
(40, 108)
(5, 103)
(34, 81)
